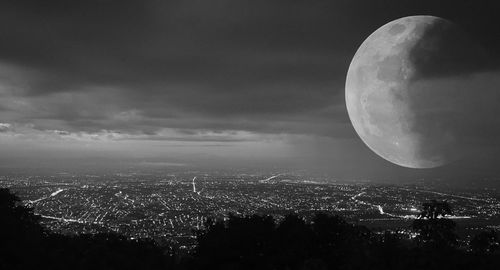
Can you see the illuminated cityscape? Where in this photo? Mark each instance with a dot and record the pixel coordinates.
(170, 207)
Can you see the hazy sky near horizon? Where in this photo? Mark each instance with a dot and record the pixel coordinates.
(189, 81)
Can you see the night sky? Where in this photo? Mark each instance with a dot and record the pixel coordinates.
(219, 82)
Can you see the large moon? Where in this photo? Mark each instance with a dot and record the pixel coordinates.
(395, 97)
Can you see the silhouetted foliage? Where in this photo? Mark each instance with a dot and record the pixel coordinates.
(434, 230)
(25, 245)
(329, 242)
(256, 242)
(243, 240)
(249, 242)
(434, 209)
(20, 232)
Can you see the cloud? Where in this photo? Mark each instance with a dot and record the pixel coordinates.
(139, 68)
(223, 71)
(4, 127)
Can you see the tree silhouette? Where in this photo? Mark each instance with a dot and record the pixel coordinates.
(434, 230)
(435, 209)
(293, 242)
(24, 244)
(20, 232)
(15, 216)
(239, 242)
(254, 242)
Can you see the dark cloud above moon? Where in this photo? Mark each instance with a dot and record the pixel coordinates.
(137, 67)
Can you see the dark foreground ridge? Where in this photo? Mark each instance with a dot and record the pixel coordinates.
(250, 242)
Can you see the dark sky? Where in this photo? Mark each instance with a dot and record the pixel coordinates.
(175, 80)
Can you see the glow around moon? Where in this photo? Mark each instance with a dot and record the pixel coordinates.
(396, 112)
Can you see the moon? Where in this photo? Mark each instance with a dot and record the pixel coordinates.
(394, 90)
